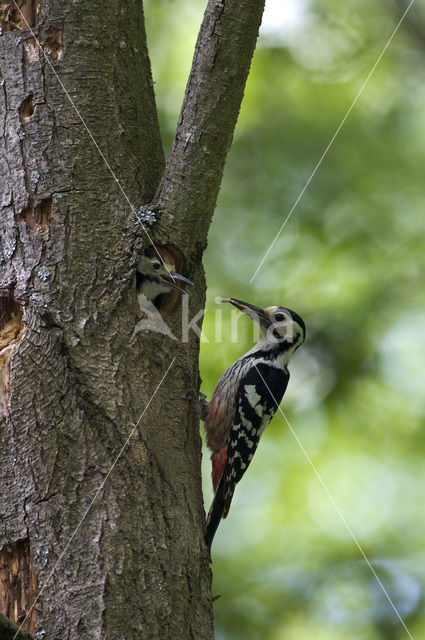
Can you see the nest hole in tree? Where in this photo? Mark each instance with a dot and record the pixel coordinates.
(53, 42)
(26, 110)
(11, 331)
(38, 217)
(18, 584)
(21, 14)
(168, 303)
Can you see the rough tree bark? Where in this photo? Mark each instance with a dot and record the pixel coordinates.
(111, 550)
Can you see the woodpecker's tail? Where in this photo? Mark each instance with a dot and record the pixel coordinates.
(215, 514)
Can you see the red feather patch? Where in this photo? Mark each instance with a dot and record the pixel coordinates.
(218, 463)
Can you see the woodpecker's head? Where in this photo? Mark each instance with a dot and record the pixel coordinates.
(156, 274)
(280, 326)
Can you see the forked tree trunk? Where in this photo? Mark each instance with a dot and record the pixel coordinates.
(106, 531)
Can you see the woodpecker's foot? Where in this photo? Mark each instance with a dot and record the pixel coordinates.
(203, 405)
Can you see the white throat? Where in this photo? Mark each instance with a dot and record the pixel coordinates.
(151, 289)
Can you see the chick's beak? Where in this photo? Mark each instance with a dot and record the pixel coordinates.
(177, 276)
(256, 313)
(172, 276)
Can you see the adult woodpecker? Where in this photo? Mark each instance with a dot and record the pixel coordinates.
(245, 400)
(156, 275)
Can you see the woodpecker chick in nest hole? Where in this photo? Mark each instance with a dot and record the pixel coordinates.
(156, 274)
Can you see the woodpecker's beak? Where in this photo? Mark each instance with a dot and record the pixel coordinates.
(177, 276)
(170, 280)
(256, 313)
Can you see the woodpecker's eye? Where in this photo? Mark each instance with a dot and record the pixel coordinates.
(156, 265)
(279, 317)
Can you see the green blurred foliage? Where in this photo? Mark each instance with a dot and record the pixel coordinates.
(350, 260)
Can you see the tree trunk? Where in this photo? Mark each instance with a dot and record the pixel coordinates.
(102, 516)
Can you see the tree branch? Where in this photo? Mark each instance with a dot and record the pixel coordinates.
(191, 180)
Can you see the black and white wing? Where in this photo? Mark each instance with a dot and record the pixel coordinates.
(257, 399)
